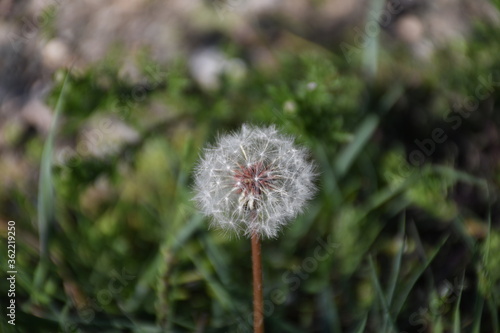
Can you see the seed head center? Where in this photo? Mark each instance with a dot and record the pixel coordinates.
(252, 182)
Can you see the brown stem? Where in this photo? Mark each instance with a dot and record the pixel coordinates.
(258, 311)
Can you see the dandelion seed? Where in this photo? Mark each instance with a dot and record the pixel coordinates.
(254, 181)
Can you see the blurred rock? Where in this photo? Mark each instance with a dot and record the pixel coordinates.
(92, 28)
(410, 29)
(56, 54)
(5, 7)
(9, 9)
(38, 115)
(104, 136)
(130, 72)
(208, 65)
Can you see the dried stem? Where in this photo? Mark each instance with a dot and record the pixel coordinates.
(258, 310)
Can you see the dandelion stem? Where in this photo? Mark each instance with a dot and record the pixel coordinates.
(258, 311)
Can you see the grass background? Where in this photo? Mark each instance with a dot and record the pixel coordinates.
(115, 244)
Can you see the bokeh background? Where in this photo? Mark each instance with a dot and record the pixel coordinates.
(106, 105)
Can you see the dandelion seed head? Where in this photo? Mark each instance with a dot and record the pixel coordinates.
(254, 181)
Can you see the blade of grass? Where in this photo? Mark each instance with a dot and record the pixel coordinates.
(330, 313)
(364, 131)
(494, 314)
(351, 151)
(386, 195)
(160, 266)
(219, 292)
(383, 196)
(396, 265)
(388, 320)
(459, 225)
(478, 313)
(218, 258)
(459, 175)
(476, 326)
(395, 269)
(45, 200)
(370, 55)
(456, 313)
(403, 294)
(437, 326)
(362, 325)
(330, 186)
(491, 302)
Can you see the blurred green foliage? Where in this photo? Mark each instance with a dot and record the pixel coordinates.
(130, 253)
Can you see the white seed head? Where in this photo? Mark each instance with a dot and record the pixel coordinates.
(254, 181)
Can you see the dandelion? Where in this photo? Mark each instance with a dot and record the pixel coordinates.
(254, 182)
